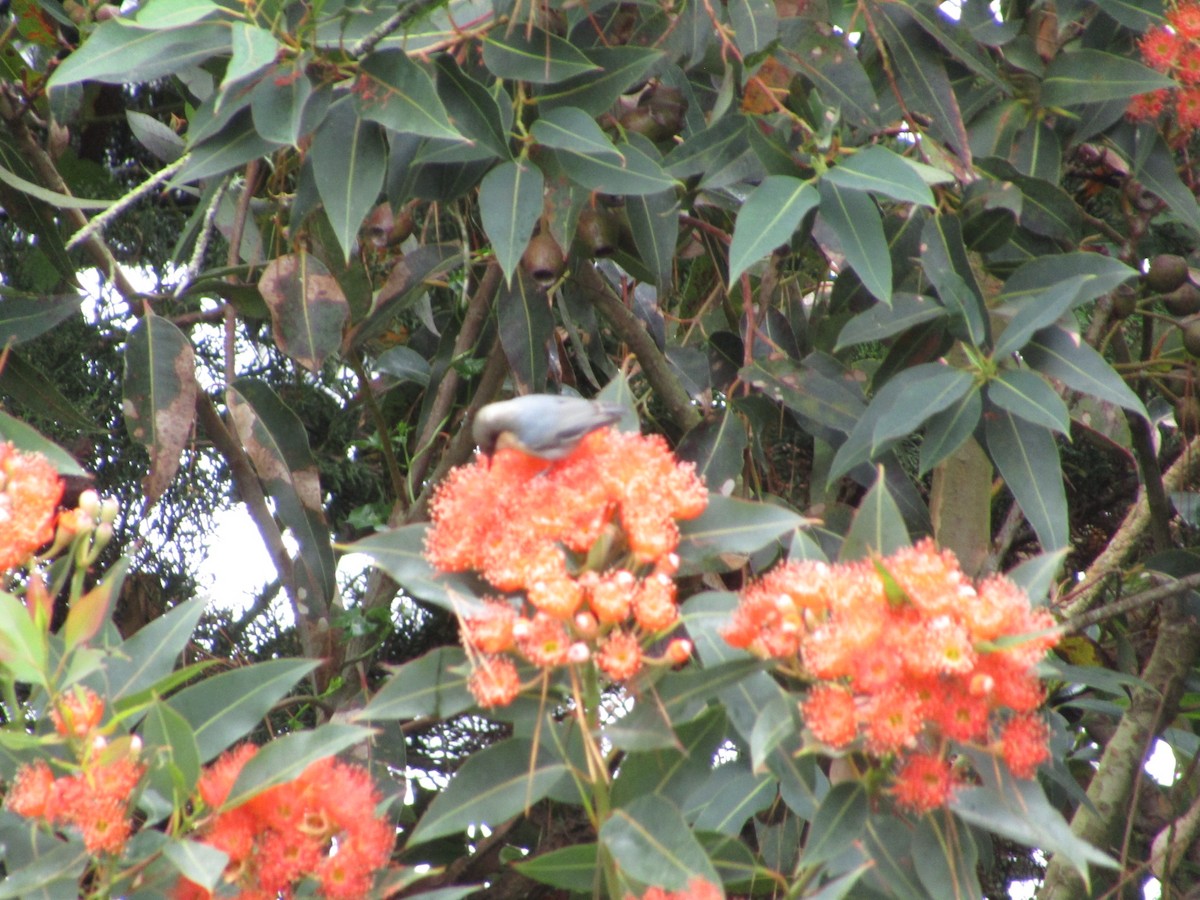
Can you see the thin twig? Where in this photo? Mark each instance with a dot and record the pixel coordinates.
(99, 222)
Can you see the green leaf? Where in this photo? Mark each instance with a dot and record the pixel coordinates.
(159, 397)
(23, 645)
(537, 57)
(1018, 809)
(1092, 76)
(833, 67)
(1046, 209)
(673, 772)
(1038, 310)
(224, 708)
(54, 873)
(400, 95)
(1061, 354)
(284, 106)
(920, 69)
(285, 758)
(491, 787)
(254, 49)
(24, 317)
(880, 171)
(174, 754)
(1027, 460)
(918, 393)
(432, 686)
(948, 430)
(945, 263)
(405, 285)
(616, 70)
(732, 798)
(401, 553)
(120, 52)
(839, 823)
(510, 203)
(32, 388)
(1156, 171)
(729, 525)
(1036, 575)
(570, 128)
(653, 844)
(349, 157)
(405, 364)
(472, 107)
(156, 137)
(234, 145)
(712, 149)
(55, 199)
(571, 868)
(755, 24)
(632, 172)
(854, 218)
(716, 446)
(877, 526)
(654, 224)
(175, 14)
(768, 218)
(1027, 395)
(196, 861)
(1101, 274)
(526, 328)
(88, 613)
(277, 443)
(151, 653)
(881, 321)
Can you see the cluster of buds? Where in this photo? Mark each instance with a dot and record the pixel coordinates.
(321, 826)
(1171, 49)
(905, 655)
(95, 797)
(584, 545)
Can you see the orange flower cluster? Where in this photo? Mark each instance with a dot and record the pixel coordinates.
(96, 799)
(30, 490)
(321, 826)
(589, 540)
(697, 889)
(908, 655)
(1171, 49)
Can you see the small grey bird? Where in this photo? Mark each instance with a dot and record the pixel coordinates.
(548, 426)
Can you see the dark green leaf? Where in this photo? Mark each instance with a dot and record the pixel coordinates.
(654, 224)
(572, 868)
(832, 66)
(285, 758)
(431, 686)
(654, 845)
(881, 322)
(632, 172)
(526, 330)
(1027, 459)
(924, 391)
(855, 220)
(120, 52)
(1027, 395)
(349, 160)
(537, 57)
(716, 446)
(949, 429)
(1061, 354)
(225, 708)
(400, 95)
(1037, 310)
(767, 220)
(618, 69)
(510, 203)
(159, 397)
(877, 527)
(230, 148)
(152, 652)
(1155, 170)
(945, 263)
(1091, 76)
(840, 821)
(285, 107)
(880, 171)
(196, 861)
(733, 797)
(755, 24)
(34, 389)
(1103, 274)
(730, 525)
(491, 787)
(156, 137)
(472, 107)
(571, 129)
(712, 149)
(22, 643)
(401, 553)
(174, 755)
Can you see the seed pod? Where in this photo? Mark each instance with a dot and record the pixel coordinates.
(1191, 338)
(598, 231)
(543, 259)
(1124, 301)
(1183, 301)
(1187, 415)
(1166, 273)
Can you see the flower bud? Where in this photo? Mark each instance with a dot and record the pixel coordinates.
(578, 653)
(679, 651)
(89, 504)
(109, 509)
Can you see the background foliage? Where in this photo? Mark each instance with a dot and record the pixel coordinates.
(811, 242)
